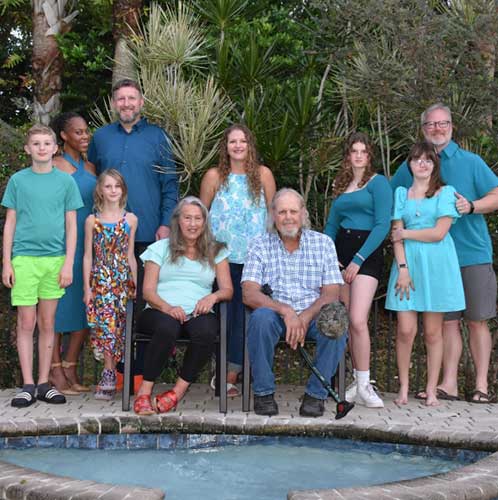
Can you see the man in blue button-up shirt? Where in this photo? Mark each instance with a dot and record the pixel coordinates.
(142, 153)
(477, 194)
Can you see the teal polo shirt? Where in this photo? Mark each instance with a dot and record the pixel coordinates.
(472, 178)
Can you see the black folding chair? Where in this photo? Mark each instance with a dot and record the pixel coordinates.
(133, 337)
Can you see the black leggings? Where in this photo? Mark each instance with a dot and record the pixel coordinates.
(165, 330)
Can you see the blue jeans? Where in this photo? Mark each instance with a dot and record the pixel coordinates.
(235, 318)
(266, 327)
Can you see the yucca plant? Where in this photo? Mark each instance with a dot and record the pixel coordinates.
(167, 52)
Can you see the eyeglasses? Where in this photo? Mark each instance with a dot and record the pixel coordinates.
(420, 162)
(442, 124)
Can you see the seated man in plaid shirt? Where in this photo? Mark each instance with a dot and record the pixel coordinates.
(300, 269)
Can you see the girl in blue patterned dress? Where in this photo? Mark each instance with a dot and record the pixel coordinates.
(238, 193)
(425, 276)
(73, 135)
(109, 274)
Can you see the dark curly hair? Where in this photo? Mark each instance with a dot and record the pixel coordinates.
(60, 124)
(345, 175)
(252, 164)
(426, 149)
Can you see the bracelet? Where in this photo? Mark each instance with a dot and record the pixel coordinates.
(472, 207)
(360, 256)
(402, 266)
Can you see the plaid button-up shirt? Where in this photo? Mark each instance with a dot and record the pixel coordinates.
(295, 278)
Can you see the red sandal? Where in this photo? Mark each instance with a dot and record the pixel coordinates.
(143, 405)
(166, 401)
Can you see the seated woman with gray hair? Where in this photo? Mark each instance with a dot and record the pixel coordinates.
(178, 280)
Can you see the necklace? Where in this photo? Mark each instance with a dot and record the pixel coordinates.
(418, 202)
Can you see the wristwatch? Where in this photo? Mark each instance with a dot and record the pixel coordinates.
(401, 266)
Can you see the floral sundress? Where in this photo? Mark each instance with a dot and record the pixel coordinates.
(112, 286)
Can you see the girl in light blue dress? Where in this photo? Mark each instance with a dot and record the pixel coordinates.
(237, 193)
(425, 276)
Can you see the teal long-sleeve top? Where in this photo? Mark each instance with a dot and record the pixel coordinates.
(367, 209)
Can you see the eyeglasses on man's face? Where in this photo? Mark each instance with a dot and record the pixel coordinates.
(444, 124)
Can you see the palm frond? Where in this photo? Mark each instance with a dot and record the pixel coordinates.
(169, 37)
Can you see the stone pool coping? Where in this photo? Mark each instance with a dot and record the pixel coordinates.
(453, 424)
(24, 483)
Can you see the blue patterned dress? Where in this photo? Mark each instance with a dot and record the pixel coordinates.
(71, 312)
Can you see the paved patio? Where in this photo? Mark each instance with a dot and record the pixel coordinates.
(452, 424)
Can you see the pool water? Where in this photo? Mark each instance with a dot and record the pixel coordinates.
(265, 468)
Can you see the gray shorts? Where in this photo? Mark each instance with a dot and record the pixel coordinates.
(479, 283)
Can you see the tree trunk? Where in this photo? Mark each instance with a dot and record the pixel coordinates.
(49, 19)
(125, 14)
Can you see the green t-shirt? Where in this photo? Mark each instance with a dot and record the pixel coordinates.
(41, 202)
(186, 281)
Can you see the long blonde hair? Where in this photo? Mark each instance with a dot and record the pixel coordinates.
(206, 246)
(251, 167)
(98, 197)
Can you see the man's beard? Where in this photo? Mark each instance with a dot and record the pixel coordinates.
(290, 233)
(131, 119)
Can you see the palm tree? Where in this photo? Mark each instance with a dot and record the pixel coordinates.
(50, 18)
(125, 14)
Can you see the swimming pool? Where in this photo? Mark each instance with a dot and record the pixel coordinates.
(230, 467)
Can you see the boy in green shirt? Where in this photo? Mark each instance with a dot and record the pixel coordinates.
(39, 241)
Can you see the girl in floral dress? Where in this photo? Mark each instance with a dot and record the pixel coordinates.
(109, 273)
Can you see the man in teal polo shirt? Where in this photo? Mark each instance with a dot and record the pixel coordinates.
(477, 194)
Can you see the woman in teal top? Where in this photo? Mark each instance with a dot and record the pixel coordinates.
(178, 281)
(425, 276)
(358, 222)
(238, 192)
(72, 133)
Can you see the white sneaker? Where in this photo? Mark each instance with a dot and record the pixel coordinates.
(367, 396)
(351, 390)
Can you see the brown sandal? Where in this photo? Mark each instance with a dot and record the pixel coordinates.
(166, 401)
(76, 387)
(481, 398)
(69, 391)
(143, 405)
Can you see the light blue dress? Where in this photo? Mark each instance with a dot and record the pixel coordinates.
(433, 267)
(71, 311)
(235, 217)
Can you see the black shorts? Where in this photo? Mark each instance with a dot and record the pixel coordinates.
(348, 242)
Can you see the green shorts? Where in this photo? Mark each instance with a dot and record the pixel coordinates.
(36, 278)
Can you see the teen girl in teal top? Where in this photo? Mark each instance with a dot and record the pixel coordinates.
(359, 220)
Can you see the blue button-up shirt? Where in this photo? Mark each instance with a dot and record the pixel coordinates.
(295, 277)
(143, 157)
